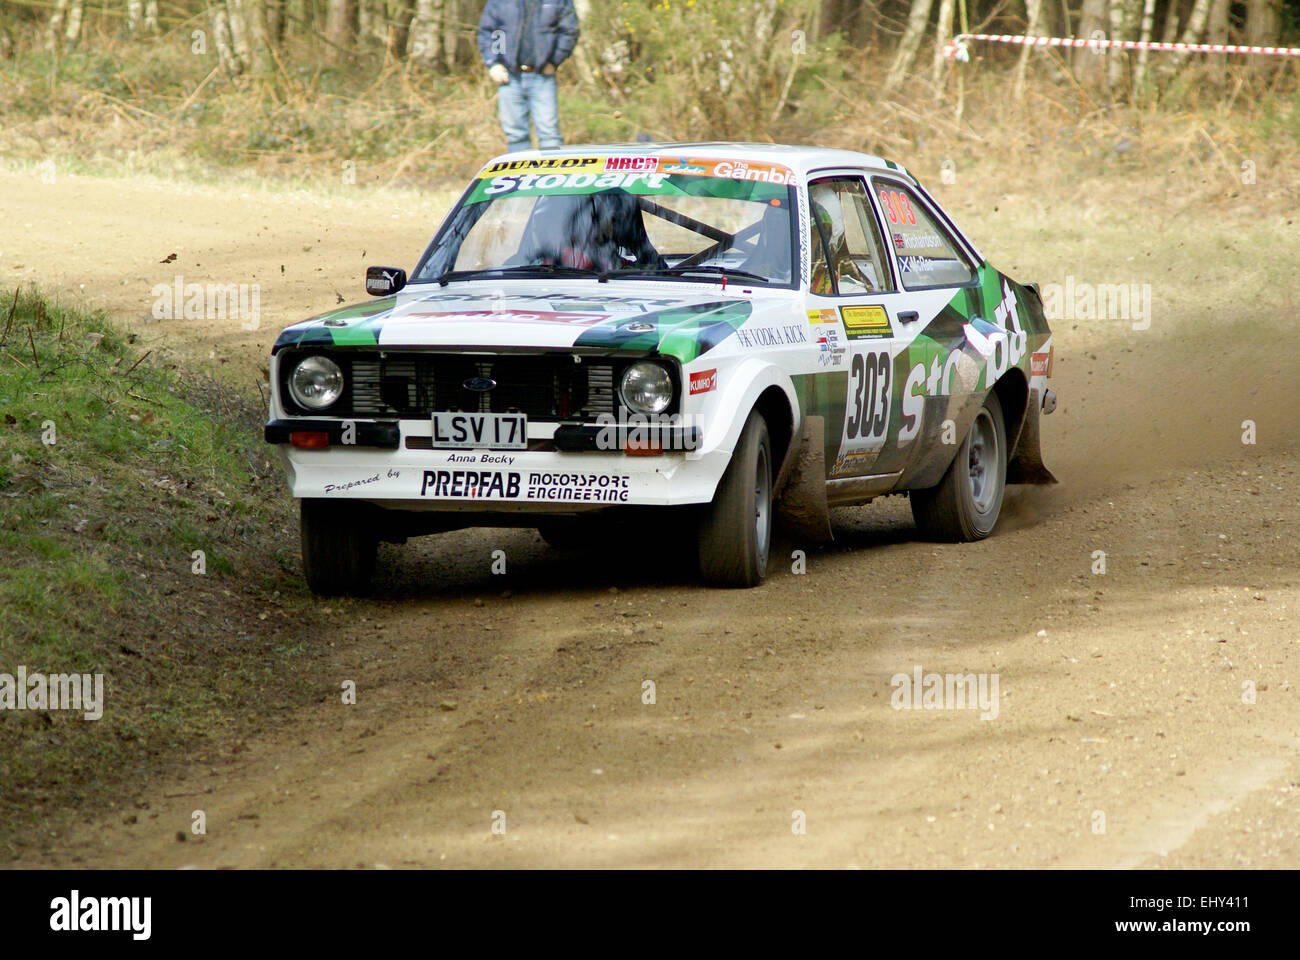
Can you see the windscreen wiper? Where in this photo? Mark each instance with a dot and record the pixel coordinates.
(680, 270)
(549, 269)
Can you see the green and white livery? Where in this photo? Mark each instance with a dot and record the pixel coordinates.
(706, 337)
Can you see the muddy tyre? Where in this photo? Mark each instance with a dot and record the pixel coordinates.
(966, 503)
(338, 547)
(735, 532)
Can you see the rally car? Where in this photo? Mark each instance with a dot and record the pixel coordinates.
(710, 333)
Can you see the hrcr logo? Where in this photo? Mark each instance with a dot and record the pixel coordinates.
(704, 381)
(632, 164)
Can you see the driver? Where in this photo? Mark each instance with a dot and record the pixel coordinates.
(827, 213)
(602, 232)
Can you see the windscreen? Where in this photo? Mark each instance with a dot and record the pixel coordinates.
(680, 219)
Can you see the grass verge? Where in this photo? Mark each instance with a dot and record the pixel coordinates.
(144, 536)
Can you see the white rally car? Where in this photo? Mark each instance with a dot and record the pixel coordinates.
(710, 332)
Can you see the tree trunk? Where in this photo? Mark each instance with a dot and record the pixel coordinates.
(453, 11)
(258, 41)
(1034, 13)
(426, 40)
(340, 29)
(1121, 17)
(1195, 29)
(1148, 24)
(275, 21)
(239, 34)
(917, 20)
(134, 15)
(151, 16)
(1263, 22)
(1089, 63)
(1170, 32)
(72, 35)
(942, 34)
(399, 31)
(1263, 26)
(220, 18)
(1216, 31)
(54, 32)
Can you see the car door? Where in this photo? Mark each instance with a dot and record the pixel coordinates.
(850, 303)
(938, 282)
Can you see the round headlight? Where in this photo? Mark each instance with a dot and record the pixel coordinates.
(646, 388)
(316, 383)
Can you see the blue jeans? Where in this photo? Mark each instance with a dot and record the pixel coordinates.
(529, 94)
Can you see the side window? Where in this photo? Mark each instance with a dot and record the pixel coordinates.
(927, 255)
(848, 254)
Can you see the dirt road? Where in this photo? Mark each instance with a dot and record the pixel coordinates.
(1147, 715)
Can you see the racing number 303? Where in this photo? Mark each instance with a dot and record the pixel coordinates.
(897, 207)
(868, 414)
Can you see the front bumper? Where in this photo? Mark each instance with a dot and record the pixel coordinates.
(389, 464)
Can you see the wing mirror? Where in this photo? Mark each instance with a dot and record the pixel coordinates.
(382, 281)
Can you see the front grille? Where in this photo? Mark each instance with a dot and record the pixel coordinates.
(542, 387)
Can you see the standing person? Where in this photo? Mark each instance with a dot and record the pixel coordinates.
(522, 42)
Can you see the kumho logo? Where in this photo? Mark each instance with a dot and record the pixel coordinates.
(214, 301)
(945, 691)
(1098, 301)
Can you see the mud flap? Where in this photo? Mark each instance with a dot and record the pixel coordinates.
(1026, 462)
(801, 509)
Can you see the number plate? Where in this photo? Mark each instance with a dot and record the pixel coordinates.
(479, 431)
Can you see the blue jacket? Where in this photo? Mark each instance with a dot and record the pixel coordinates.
(554, 32)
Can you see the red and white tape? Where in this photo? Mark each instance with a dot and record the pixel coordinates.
(957, 49)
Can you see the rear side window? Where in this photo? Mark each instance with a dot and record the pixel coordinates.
(927, 254)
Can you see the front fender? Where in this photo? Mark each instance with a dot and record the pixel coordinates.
(724, 410)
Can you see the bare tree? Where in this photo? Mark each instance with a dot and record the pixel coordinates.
(1216, 31)
(918, 18)
(399, 28)
(1263, 22)
(54, 31)
(1090, 61)
(1034, 12)
(1263, 25)
(275, 22)
(426, 31)
(1195, 28)
(219, 17)
(72, 35)
(1148, 23)
(340, 28)
(942, 34)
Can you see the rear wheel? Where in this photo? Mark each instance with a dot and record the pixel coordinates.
(966, 503)
(735, 533)
(338, 546)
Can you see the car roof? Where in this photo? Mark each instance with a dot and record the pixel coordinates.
(799, 158)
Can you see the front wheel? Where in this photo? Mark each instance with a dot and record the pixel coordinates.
(338, 547)
(735, 533)
(966, 503)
